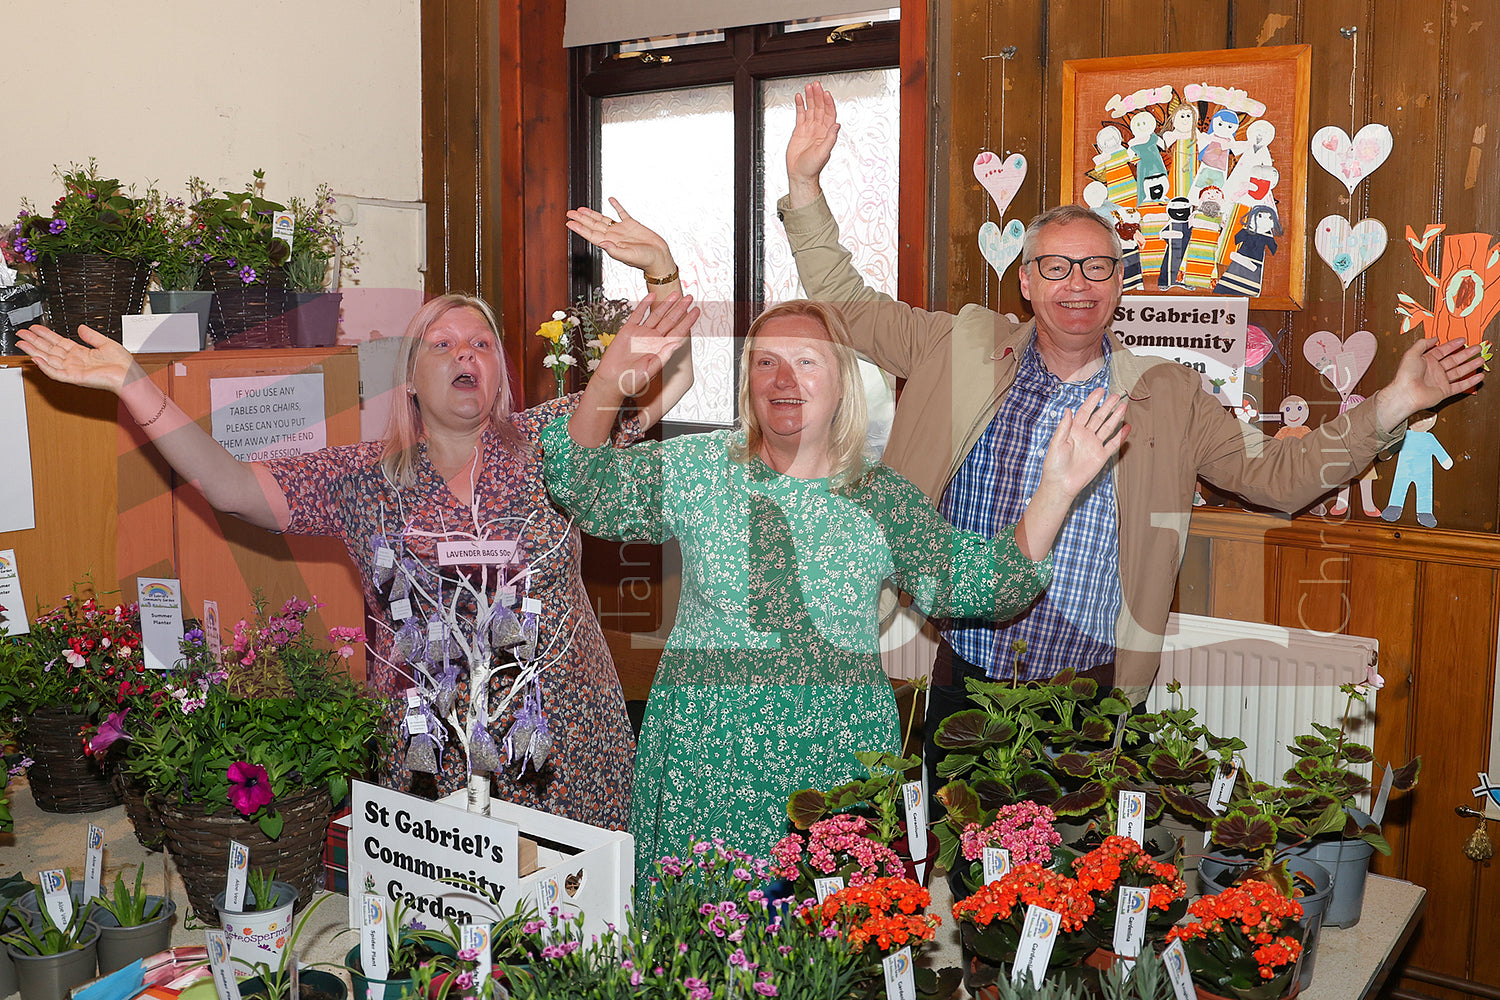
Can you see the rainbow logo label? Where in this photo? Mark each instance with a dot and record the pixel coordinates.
(157, 592)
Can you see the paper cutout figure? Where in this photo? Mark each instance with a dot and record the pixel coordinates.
(1258, 347)
(1247, 264)
(1341, 362)
(1128, 226)
(1214, 147)
(1001, 178)
(1349, 250)
(1414, 471)
(1181, 140)
(1351, 160)
(1001, 248)
(1462, 307)
(1096, 196)
(1254, 157)
(1145, 151)
(1112, 167)
(1294, 414)
(1200, 263)
(1366, 479)
(1176, 233)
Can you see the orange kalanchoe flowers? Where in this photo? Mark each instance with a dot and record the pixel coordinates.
(888, 911)
(1244, 923)
(1026, 884)
(1121, 859)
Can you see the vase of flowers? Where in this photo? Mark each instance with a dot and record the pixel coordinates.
(256, 749)
(581, 333)
(1243, 943)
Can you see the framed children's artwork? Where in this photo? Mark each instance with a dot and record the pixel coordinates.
(1200, 160)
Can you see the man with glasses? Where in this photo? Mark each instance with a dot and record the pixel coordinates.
(983, 395)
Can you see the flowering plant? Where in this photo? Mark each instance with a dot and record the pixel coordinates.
(280, 714)
(1023, 828)
(991, 920)
(93, 215)
(841, 845)
(318, 240)
(879, 794)
(1236, 945)
(890, 912)
(1121, 861)
(179, 259)
(238, 233)
(79, 656)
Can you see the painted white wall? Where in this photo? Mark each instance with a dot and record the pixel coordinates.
(160, 90)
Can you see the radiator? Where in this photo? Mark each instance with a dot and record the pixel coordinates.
(908, 645)
(1265, 684)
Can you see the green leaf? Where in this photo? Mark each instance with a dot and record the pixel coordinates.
(806, 807)
(1091, 796)
(271, 824)
(967, 730)
(961, 802)
(1406, 777)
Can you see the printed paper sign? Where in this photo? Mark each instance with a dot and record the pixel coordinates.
(17, 500)
(996, 864)
(476, 553)
(14, 616)
(161, 621)
(1131, 821)
(284, 227)
(1203, 332)
(900, 979)
(269, 416)
(1038, 935)
(916, 823)
(374, 944)
(218, 961)
(237, 877)
(55, 896)
(211, 637)
(825, 887)
(1175, 959)
(1130, 920)
(477, 936)
(93, 863)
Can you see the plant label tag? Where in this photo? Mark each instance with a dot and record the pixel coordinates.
(531, 606)
(385, 558)
(416, 724)
(1130, 923)
(996, 864)
(161, 621)
(374, 944)
(239, 870)
(1377, 811)
(508, 595)
(916, 823)
(211, 637)
(1219, 791)
(283, 226)
(93, 864)
(55, 896)
(413, 700)
(900, 980)
(14, 615)
(401, 610)
(1038, 935)
(477, 936)
(548, 892)
(1131, 819)
(1175, 959)
(476, 553)
(826, 887)
(225, 984)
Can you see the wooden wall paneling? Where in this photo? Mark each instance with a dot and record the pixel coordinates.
(1194, 595)
(1198, 27)
(1381, 599)
(917, 158)
(1454, 671)
(144, 483)
(1076, 29)
(1486, 957)
(453, 124)
(220, 557)
(1313, 588)
(1244, 581)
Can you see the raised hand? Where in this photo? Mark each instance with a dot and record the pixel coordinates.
(652, 334)
(1429, 373)
(98, 363)
(811, 144)
(626, 240)
(1083, 441)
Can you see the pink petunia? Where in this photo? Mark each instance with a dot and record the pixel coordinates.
(249, 787)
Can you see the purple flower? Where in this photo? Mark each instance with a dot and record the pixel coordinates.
(111, 731)
(57, 226)
(249, 787)
(247, 274)
(464, 980)
(468, 954)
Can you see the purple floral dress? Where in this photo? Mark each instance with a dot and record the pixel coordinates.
(342, 491)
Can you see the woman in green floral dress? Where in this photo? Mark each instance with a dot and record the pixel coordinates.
(771, 677)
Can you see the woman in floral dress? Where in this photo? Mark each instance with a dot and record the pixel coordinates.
(456, 455)
(771, 676)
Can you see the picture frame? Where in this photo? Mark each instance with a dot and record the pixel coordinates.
(1220, 213)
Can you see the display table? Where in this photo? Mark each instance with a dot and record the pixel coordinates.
(1354, 963)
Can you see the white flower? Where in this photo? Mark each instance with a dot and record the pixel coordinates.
(568, 359)
(550, 360)
(596, 344)
(559, 315)
(75, 659)
(593, 363)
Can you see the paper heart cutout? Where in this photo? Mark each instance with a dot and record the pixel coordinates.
(1352, 160)
(1001, 178)
(1340, 362)
(1257, 346)
(1349, 250)
(1000, 248)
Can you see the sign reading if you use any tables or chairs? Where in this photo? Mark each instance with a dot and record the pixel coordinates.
(261, 417)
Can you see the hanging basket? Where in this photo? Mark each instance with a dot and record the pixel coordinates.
(63, 778)
(148, 828)
(252, 315)
(199, 842)
(93, 289)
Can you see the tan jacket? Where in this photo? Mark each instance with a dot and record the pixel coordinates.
(958, 368)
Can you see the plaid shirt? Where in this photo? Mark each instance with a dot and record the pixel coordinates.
(1072, 624)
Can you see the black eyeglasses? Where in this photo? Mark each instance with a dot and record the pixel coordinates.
(1056, 267)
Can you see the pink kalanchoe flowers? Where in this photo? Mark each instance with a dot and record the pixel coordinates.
(249, 787)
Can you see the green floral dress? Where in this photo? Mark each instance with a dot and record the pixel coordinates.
(771, 676)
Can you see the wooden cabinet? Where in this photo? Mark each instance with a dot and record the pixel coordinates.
(108, 506)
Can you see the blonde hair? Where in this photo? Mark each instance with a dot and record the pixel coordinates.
(405, 430)
(846, 438)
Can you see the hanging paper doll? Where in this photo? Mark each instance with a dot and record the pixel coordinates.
(1175, 234)
(1128, 225)
(1366, 479)
(1200, 265)
(1414, 470)
(1294, 414)
(1247, 264)
(1214, 147)
(1254, 157)
(1182, 142)
(1145, 151)
(1112, 167)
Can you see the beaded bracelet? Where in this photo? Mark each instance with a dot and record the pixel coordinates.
(162, 409)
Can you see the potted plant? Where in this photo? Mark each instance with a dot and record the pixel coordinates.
(132, 923)
(12, 888)
(256, 750)
(246, 266)
(1121, 861)
(179, 261)
(877, 798)
(275, 982)
(77, 663)
(93, 251)
(991, 920)
(258, 928)
(1238, 945)
(50, 960)
(410, 949)
(319, 255)
(844, 845)
(1023, 828)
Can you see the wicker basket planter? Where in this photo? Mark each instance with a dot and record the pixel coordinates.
(244, 315)
(94, 289)
(199, 843)
(148, 828)
(63, 778)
